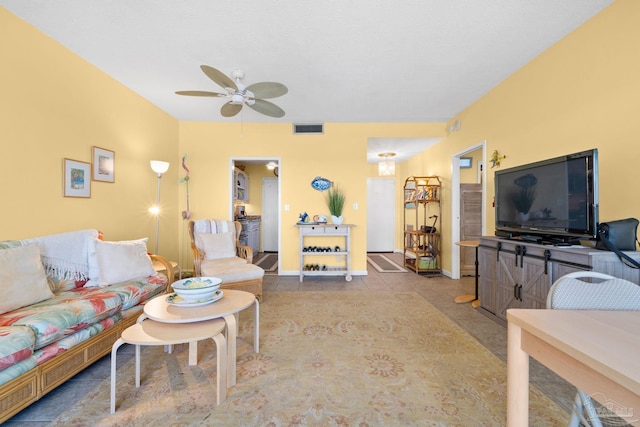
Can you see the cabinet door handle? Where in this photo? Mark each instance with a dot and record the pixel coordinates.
(523, 252)
(498, 249)
(515, 291)
(518, 249)
(520, 293)
(547, 257)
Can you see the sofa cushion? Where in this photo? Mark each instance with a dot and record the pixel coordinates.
(16, 344)
(22, 278)
(62, 315)
(216, 246)
(72, 310)
(117, 262)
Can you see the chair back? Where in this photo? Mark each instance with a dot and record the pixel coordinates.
(210, 226)
(609, 293)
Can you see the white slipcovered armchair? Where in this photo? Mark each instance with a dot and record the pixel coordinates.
(217, 252)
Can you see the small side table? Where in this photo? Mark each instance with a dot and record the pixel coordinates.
(473, 299)
(150, 332)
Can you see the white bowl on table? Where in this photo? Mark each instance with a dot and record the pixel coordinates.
(196, 288)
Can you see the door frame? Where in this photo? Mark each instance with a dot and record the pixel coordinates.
(455, 202)
(266, 159)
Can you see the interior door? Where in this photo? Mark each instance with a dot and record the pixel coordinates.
(381, 214)
(270, 215)
(470, 224)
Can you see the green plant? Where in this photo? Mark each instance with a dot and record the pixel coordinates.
(335, 200)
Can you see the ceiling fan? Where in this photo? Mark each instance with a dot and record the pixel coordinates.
(253, 95)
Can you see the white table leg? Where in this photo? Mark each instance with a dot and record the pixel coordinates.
(193, 353)
(114, 351)
(137, 365)
(256, 328)
(517, 379)
(232, 328)
(221, 367)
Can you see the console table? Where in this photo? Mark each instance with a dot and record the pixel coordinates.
(311, 231)
(517, 274)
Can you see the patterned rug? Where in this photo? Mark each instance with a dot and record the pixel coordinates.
(384, 264)
(268, 262)
(326, 358)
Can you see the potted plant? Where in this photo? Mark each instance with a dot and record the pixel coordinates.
(335, 201)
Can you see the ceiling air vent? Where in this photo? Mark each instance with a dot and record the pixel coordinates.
(308, 128)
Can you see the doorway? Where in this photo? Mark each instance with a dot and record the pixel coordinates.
(381, 214)
(257, 173)
(481, 150)
(270, 217)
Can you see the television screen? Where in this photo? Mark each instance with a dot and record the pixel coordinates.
(555, 197)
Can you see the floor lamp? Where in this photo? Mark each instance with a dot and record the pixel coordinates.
(158, 167)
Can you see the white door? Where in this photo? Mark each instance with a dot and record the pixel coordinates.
(270, 214)
(381, 214)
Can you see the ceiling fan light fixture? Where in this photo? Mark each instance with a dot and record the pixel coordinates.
(237, 99)
(238, 94)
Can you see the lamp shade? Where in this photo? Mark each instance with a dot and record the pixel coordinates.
(387, 167)
(159, 167)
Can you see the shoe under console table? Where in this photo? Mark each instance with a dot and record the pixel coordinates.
(324, 240)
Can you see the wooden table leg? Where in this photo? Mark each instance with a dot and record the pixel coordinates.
(517, 379)
(232, 335)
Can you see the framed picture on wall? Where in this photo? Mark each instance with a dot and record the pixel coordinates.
(103, 164)
(77, 178)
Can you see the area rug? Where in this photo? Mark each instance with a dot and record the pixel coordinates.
(268, 262)
(384, 264)
(326, 359)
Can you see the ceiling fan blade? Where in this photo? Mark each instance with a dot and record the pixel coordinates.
(266, 90)
(230, 110)
(267, 108)
(199, 93)
(219, 77)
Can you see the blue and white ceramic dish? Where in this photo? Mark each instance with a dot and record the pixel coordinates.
(178, 301)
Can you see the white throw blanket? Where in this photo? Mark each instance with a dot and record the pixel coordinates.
(65, 255)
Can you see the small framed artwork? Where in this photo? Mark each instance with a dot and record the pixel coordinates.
(103, 165)
(77, 178)
(466, 162)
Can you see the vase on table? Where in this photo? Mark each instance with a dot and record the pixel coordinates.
(337, 220)
(522, 217)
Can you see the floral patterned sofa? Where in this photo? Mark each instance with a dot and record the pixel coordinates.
(64, 301)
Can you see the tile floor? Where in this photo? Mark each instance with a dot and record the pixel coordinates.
(439, 291)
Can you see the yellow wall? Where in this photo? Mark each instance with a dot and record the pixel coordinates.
(582, 93)
(55, 105)
(340, 154)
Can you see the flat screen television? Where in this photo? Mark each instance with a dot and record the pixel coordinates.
(554, 199)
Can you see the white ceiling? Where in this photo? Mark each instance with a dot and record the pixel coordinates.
(343, 61)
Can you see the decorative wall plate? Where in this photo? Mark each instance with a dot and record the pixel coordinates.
(321, 184)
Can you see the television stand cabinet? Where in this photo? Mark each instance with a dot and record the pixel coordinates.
(518, 274)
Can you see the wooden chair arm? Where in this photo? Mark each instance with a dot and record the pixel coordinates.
(168, 268)
(245, 252)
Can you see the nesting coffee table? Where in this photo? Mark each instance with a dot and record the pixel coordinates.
(228, 308)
